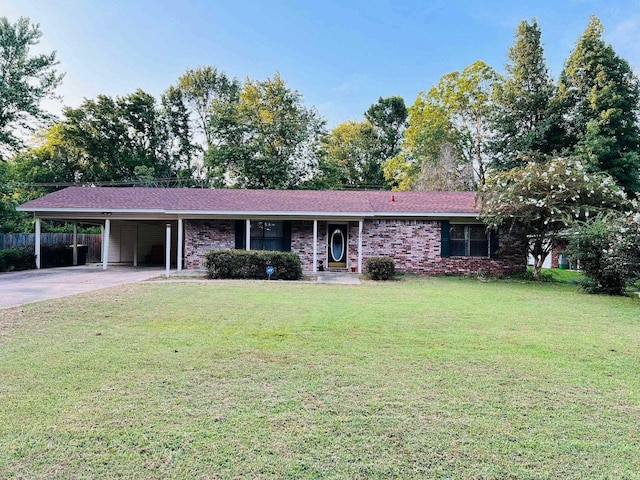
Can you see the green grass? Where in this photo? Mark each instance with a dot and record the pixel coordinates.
(421, 378)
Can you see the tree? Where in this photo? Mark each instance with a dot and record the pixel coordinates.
(454, 112)
(600, 98)
(524, 120)
(539, 201)
(388, 118)
(200, 89)
(429, 128)
(114, 136)
(265, 139)
(106, 140)
(608, 246)
(176, 117)
(55, 161)
(445, 172)
(353, 148)
(25, 80)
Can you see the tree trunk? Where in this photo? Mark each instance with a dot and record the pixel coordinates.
(538, 260)
(539, 253)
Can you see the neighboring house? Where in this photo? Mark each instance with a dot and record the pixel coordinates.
(424, 232)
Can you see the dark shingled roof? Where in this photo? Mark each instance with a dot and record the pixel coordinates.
(171, 200)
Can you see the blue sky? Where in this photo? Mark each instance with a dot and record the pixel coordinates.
(340, 55)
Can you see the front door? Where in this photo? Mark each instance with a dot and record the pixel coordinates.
(337, 245)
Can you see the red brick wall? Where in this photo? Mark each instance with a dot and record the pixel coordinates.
(415, 247)
(202, 236)
(413, 244)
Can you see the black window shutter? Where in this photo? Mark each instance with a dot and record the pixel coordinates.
(286, 236)
(444, 239)
(494, 243)
(240, 234)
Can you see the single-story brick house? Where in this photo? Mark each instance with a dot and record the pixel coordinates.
(424, 232)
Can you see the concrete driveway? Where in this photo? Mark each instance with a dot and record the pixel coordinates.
(29, 286)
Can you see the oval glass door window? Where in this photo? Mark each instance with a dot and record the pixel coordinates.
(337, 245)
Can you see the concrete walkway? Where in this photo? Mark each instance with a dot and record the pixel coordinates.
(341, 278)
(17, 288)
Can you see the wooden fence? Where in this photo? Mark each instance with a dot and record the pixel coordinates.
(92, 240)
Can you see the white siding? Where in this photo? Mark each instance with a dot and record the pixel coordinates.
(123, 238)
(127, 242)
(148, 236)
(114, 242)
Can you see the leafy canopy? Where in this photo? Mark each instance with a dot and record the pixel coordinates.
(454, 112)
(524, 120)
(600, 100)
(25, 80)
(264, 138)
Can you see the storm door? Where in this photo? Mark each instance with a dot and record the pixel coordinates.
(337, 245)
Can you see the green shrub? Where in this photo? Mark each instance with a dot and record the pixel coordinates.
(17, 259)
(252, 264)
(609, 248)
(380, 268)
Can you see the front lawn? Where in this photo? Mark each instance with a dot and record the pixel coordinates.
(422, 378)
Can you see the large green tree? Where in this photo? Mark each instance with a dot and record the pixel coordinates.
(353, 149)
(267, 138)
(25, 81)
(388, 117)
(119, 139)
(456, 112)
(599, 95)
(176, 116)
(122, 139)
(524, 118)
(201, 89)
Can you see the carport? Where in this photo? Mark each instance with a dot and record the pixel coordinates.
(128, 238)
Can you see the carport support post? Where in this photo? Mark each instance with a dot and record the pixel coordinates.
(168, 251)
(37, 247)
(135, 248)
(105, 243)
(179, 259)
(315, 246)
(75, 244)
(360, 246)
(247, 232)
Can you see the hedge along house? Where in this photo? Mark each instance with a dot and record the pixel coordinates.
(424, 232)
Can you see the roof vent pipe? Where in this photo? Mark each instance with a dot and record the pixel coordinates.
(393, 198)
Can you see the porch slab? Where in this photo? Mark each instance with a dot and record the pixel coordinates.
(343, 278)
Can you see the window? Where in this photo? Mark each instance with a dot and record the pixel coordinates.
(468, 241)
(265, 235)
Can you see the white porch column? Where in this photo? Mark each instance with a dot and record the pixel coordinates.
(135, 247)
(360, 222)
(247, 234)
(167, 259)
(75, 244)
(105, 243)
(37, 247)
(315, 246)
(179, 259)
